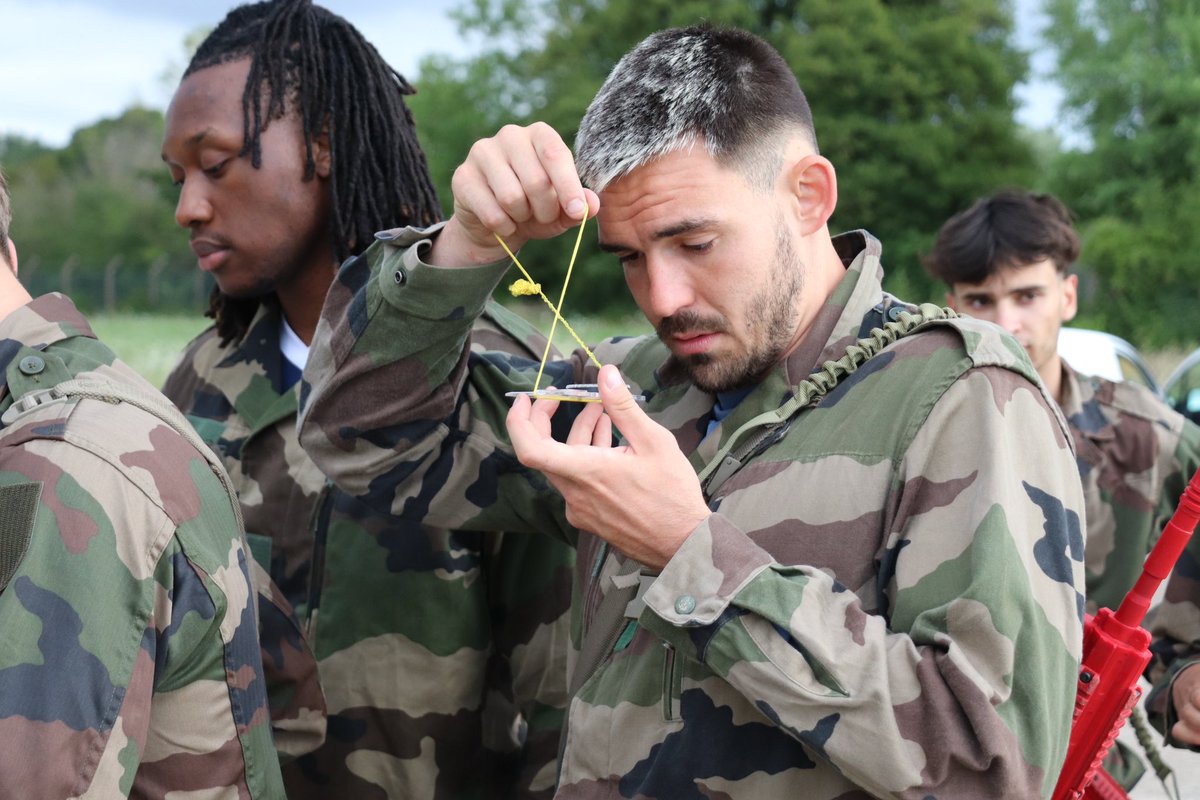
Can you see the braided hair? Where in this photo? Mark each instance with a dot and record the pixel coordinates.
(304, 55)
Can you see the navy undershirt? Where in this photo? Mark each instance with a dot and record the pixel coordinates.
(726, 403)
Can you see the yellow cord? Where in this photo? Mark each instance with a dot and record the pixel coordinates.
(558, 317)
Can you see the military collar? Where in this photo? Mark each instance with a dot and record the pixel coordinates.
(1082, 407)
(260, 346)
(838, 324)
(44, 321)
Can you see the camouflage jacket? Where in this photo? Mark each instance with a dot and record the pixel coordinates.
(885, 600)
(1135, 457)
(129, 663)
(441, 653)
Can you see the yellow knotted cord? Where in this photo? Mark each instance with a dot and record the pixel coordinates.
(558, 317)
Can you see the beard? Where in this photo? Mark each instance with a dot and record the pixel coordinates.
(771, 321)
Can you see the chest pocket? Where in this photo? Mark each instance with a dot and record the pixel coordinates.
(18, 510)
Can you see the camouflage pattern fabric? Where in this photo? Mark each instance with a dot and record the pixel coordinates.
(873, 609)
(1135, 457)
(129, 661)
(441, 653)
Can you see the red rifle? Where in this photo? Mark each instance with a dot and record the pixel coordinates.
(1116, 650)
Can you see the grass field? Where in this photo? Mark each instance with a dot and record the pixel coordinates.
(151, 343)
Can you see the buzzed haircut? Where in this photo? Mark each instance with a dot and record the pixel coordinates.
(5, 217)
(1012, 228)
(722, 85)
(306, 58)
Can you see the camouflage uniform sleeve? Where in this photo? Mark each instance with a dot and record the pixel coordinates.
(394, 397)
(1176, 621)
(963, 687)
(297, 703)
(298, 712)
(136, 587)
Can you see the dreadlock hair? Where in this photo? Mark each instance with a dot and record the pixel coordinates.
(306, 56)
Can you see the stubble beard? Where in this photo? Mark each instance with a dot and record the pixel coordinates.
(771, 323)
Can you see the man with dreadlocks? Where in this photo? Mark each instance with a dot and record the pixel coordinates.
(442, 654)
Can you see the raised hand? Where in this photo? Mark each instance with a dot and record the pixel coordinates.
(520, 184)
(643, 497)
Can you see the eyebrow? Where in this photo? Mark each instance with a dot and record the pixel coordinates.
(191, 141)
(983, 294)
(678, 229)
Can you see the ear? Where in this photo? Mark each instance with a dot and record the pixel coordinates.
(812, 182)
(952, 301)
(12, 256)
(1070, 297)
(323, 153)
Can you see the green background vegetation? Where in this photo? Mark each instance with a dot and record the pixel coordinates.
(913, 101)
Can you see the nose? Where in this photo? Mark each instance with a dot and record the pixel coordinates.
(193, 206)
(1008, 317)
(670, 289)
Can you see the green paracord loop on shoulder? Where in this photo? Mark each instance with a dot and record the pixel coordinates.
(820, 383)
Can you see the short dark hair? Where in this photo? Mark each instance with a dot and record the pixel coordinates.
(307, 56)
(679, 86)
(1012, 228)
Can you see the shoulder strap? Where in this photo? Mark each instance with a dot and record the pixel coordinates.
(611, 614)
(152, 403)
(725, 463)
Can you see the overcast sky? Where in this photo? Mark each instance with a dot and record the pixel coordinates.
(67, 63)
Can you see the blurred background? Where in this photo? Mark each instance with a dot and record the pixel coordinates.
(923, 105)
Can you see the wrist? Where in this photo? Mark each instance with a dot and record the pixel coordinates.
(455, 247)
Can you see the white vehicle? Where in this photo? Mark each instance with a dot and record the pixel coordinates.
(1182, 389)
(1105, 355)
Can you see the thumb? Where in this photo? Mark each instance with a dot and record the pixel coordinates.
(621, 408)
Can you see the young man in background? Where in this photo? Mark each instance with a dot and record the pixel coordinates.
(1007, 259)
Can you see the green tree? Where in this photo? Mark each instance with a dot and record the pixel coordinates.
(105, 195)
(1131, 75)
(912, 99)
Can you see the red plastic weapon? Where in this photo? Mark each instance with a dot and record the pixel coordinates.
(1115, 652)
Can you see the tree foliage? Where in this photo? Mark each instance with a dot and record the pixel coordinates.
(912, 100)
(106, 195)
(1131, 73)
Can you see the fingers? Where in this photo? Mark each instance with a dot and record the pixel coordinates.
(526, 436)
(591, 428)
(1187, 706)
(520, 184)
(545, 170)
(624, 411)
(602, 434)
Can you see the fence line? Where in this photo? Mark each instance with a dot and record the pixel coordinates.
(119, 286)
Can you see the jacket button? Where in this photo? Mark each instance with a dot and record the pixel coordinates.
(31, 365)
(895, 311)
(685, 604)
